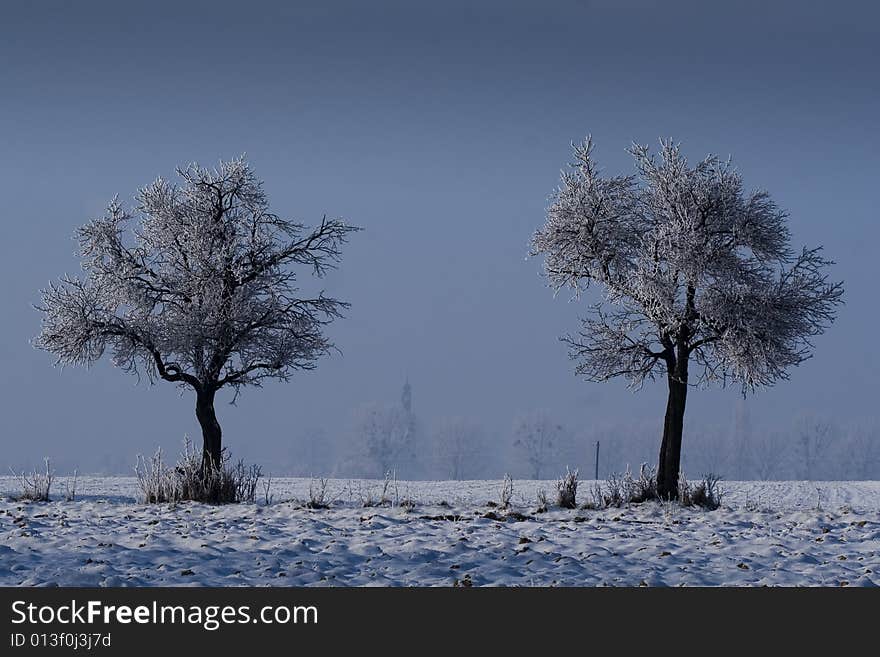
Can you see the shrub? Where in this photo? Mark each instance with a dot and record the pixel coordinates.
(566, 490)
(188, 481)
(706, 493)
(268, 498)
(70, 488)
(318, 498)
(616, 490)
(644, 489)
(390, 478)
(36, 485)
(370, 498)
(506, 491)
(596, 500)
(619, 490)
(366, 498)
(543, 502)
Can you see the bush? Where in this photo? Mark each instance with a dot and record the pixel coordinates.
(619, 490)
(543, 502)
(616, 492)
(70, 488)
(36, 485)
(268, 498)
(597, 500)
(506, 491)
(644, 489)
(368, 500)
(566, 490)
(706, 493)
(188, 481)
(318, 498)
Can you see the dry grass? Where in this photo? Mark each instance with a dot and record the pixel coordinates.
(188, 481)
(566, 490)
(37, 485)
(506, 492)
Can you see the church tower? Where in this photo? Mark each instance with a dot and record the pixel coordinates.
(406, 397)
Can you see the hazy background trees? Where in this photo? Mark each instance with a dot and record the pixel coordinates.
(461, 449)
(767, 452)
(541, 444)
(385, 437)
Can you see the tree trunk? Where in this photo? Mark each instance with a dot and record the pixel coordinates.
(211, 433)
(670, 448)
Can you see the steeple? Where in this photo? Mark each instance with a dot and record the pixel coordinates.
(406, 396)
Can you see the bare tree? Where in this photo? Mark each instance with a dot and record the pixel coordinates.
(863, 451)
(539, 439)
(197, 287)
(387, 434)
(813, 440)
(741, 445)
(694, 270)
(459, 448)
(770, 455)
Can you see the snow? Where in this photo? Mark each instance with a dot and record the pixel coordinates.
(774, 533)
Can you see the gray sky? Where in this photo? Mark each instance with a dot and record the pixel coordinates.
(440, 128)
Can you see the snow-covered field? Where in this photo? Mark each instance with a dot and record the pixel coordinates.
(774, 533)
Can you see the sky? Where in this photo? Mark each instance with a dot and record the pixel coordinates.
(441, 129)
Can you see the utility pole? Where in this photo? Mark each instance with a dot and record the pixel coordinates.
(597, 460)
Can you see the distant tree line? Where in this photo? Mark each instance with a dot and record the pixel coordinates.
(537, 445)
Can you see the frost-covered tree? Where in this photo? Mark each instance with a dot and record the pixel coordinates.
(197, 285)
(695, 270)
(459, 448)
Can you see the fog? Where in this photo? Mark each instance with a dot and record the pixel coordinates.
(441, 130)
